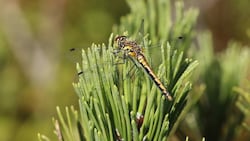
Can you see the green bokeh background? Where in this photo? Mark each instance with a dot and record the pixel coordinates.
(36, 71)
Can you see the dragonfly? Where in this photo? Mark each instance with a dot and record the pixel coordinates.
(133, 50)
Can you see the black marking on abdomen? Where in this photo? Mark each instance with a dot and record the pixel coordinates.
(141, 59)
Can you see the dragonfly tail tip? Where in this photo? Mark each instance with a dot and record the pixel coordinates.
(169, 97)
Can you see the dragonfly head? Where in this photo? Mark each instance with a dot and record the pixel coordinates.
(121, 41)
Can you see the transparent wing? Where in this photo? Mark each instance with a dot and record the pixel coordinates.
(142, 40)
(140, 35)
(72, 54)
(94, 62)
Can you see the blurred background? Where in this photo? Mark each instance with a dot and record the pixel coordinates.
(36, 71)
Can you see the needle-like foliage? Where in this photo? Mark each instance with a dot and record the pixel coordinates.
(215, 116)
(114, 106)
(111, 103)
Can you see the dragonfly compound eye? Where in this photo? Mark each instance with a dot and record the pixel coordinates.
(120, 38)
(121, 41)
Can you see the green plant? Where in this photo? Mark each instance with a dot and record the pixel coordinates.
(218, 73)
(116, 107)
(242, 125)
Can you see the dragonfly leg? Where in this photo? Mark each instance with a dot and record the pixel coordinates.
(132, 71)
(122, 57)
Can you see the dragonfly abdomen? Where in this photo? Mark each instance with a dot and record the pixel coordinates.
(141, 59)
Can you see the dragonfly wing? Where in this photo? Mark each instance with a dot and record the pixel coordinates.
(73, 54)
(140, 35)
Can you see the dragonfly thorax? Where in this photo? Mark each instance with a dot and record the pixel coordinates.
(128, 46)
